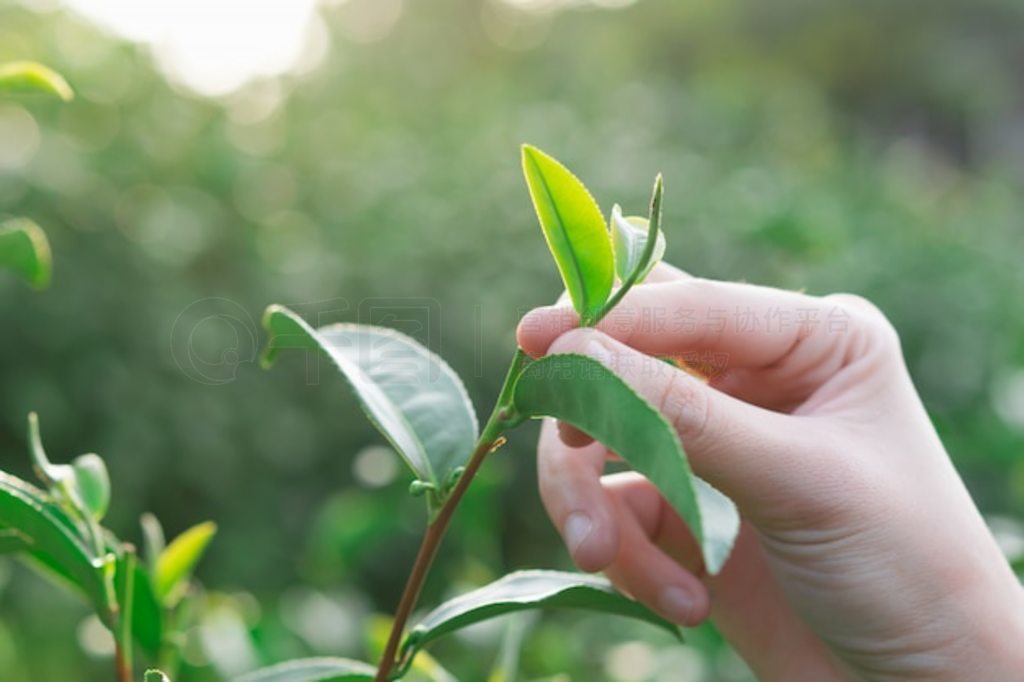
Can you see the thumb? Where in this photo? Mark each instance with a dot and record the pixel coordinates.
(757, 457)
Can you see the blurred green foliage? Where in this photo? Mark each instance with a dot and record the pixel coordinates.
(873, 147)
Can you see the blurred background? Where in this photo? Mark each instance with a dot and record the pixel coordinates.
(358, 160)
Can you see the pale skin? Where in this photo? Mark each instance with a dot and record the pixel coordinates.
(861, 555)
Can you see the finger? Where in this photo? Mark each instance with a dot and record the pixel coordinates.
(659, 521)
(662, 272)
(560, 317)
(644, 571)
(573, 437)
(736, 325)
(751, 454)
(570, 487)
(665, 272)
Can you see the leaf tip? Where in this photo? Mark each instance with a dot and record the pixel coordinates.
(269, 353)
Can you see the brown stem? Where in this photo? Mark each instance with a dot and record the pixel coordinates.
(124, 673)
(490, 439)
(428, 550)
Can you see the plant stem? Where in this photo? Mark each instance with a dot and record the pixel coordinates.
(124, 670)
(501, 417)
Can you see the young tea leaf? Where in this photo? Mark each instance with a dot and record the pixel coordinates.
(44, 532)
(84, 484)
(574, 229)
(583, 392)
(176, 563)
(412, 396)
(313, 670)
(93, 483)
(25, 250)
(147, 612)
(30, 77)
(153, 541)
(629, 241)
(524, 590)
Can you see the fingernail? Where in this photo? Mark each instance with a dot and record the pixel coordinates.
(599, 352)
(676, 604)
(577, 530)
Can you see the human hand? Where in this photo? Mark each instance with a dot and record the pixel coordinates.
(861, 552)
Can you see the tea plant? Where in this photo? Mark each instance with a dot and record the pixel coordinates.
(57, 528)
(420, 406)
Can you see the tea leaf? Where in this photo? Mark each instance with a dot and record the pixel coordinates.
(25, 250)
(93, 483)
(583, 392)
(412, 396)
(524, 590)
(153, 542)
(629, 241)
(147, 612)
(30, 77)
(176, 563)
(574, 230)
(37, 527)
(313, 670)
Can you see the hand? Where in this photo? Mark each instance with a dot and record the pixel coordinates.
(861, 552)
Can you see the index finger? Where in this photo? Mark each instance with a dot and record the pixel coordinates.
(742, 324)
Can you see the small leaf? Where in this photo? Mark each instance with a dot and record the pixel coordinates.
(629, 239)
(25, 250)
(176, 563)
(30, 77)
(84, 484)
(583, 392)
(412, 396)
(36, 526)
(147, 612)
(50, 474)
(93, 484)
(524, 590)
(153, 542)
(156, 676)
(313, 670)
(574, 229)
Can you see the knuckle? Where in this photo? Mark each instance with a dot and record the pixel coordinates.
(571, 341)
(686, 406)
(868, 321)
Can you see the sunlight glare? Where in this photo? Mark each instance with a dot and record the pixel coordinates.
(212, 46)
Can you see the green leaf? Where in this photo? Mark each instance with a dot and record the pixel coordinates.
(156, 676)
(176, 563)
(313, 670)
(412, 396)
(574, 229)
(583, 392)
(36, 526)
(153, 542)
(524, 590)
(93, 483)
(30, 77)
(629, 241)
(147, 612)
(84, 484)
(25, 250)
